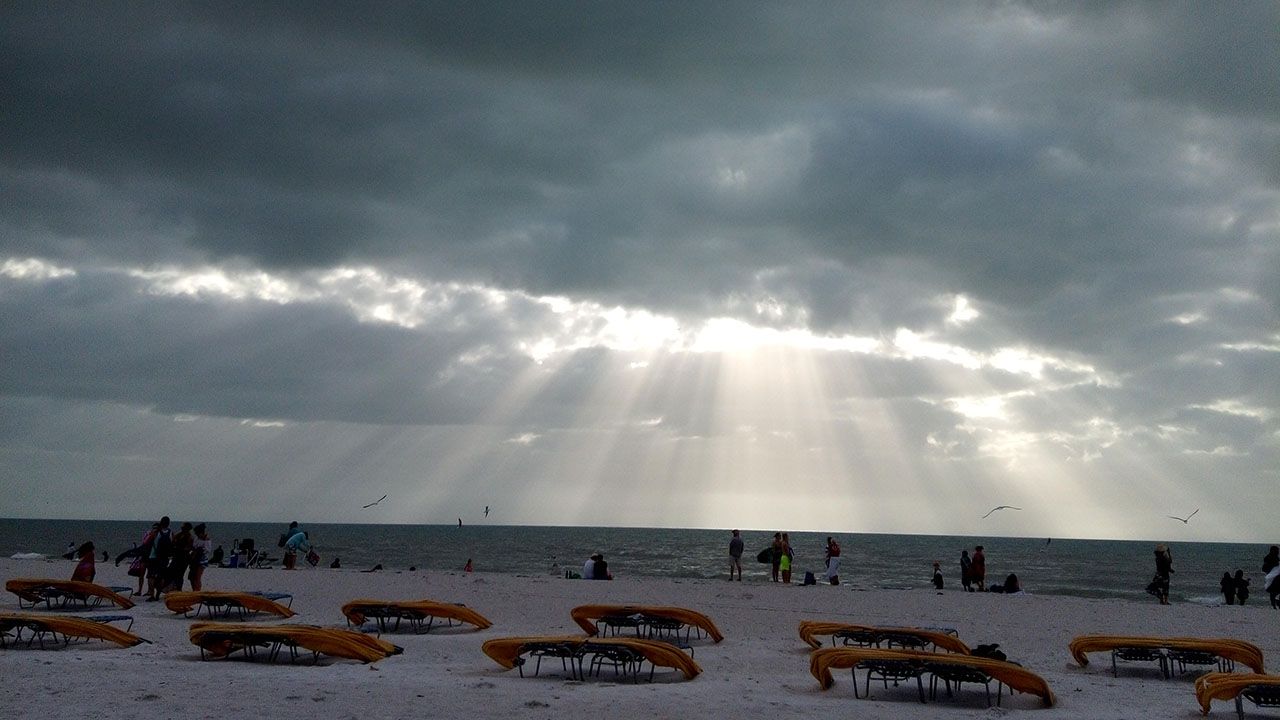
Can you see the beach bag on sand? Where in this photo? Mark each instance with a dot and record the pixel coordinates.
(313, 557)
(809, 579)
(990, 650)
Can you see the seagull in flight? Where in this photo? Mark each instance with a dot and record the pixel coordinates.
(486, 511)
(375, 502)
(1185, 519)
(999, 507)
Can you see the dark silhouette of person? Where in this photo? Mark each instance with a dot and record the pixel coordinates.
(1242, 587)
(1228, 585)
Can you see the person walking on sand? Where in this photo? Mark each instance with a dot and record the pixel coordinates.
(966, 571)
(833, 561)
(735, 555)
(978, 570)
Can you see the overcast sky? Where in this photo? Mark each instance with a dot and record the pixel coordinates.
(833, 267)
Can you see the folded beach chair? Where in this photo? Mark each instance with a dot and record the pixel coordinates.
(658, 620)
(421, 614)
(876, 636)
(624, 654)
(220, 640)
(910, 664)
(63, 593)
(1166, 650)
(12, 626)
(1261, 690)
(224, 603)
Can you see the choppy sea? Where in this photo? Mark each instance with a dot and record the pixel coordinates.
(1084, 568)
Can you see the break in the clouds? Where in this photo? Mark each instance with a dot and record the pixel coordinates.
(819, 266)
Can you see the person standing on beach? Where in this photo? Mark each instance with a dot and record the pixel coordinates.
(787, 556)
(937, 576)
(158, 559)
(966, 571)
(978, 570)
(833, 561)
(180, 559)
(201, 551)
(735, 555)
(1271, 579)
(775, 556)
(1164, 568)
(1228, 585)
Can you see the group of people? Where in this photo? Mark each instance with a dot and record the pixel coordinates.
(973, 570)
(164, 559)
(1235, 588)
(595, 568)
(781, 556)
(295, 540)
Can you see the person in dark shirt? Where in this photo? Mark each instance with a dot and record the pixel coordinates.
(735, 555)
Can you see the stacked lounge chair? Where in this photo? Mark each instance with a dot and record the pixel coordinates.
(659, 620)
(623, 654)
(420, 614)
(220, 640)
(1262, 690)
(900, 665)
(63, 593)
(52, 626)
(223, 602)
(1168, 650)
(875, 636)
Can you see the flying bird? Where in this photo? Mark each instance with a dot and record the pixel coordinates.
(375, 502)
(486, 511)
(1185, 519)
(999, 507)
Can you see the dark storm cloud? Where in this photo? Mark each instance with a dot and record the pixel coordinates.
(1100, 182)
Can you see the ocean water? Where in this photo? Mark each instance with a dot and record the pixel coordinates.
(1084, 568)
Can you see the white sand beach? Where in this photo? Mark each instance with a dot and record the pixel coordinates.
(759, 670)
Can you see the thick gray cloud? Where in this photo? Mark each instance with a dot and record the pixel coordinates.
(1100, 182)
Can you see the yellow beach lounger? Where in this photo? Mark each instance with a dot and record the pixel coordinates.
(66, 593)
(507, 652)
(809, 629)
(1263, 690)
(822, 661)
(190, 602)
(1165, 648)
(415, 611)
(223, 639)
(67, 627)
(587, 615)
